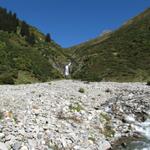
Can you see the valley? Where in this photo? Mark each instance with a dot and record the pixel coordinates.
(74, 115)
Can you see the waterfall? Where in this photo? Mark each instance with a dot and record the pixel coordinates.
(67, 69)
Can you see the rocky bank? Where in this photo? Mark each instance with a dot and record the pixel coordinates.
(74, 115)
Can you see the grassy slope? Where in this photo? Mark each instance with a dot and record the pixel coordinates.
(23, 63)
(123, 55)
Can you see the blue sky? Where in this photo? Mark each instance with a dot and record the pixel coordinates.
(71, 22)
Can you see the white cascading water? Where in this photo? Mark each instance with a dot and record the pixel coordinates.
(144, 129)
(67, 69)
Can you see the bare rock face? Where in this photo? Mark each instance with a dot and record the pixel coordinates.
(57, 115)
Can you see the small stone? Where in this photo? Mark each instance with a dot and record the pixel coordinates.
(129, 119)
(45, 127)
(63, 141)
(1, 127)
(77, 147)
(130, 96)
(43, 142)
(39, 136)
(91, 142)
(8, 138)
(16, 146)
(22, 132)
(3, 146)
(124, 145)
(106, 145)
(32, 144)
(24, 148)
(19, 138)
(2, 135)
(36, 111)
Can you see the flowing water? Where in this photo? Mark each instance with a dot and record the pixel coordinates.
(67, 69)
(132, 143)
(144, 143)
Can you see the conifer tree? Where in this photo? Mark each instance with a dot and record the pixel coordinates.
(48, 38)
(8, 20)
(24, 29)
(31, 39)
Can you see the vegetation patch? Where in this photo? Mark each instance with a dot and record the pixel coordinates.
(91, 139)
(7, 78)
(108, 131)
(52, 146)
(33, 56)
(148, 83)
(75, 107)
(81, 90)
(25, 77)
(105, 119)
(122, 55)
(1, 115)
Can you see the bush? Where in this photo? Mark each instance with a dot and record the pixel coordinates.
(1, 115)
(108, 90)
(75, 107)
(148, 83)
(7, 79)
(81, 90)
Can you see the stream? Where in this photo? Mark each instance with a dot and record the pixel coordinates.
(132, 143)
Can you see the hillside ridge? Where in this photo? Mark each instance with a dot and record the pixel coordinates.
(122, 55)
(26, 54)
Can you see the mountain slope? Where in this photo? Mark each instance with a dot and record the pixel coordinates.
(26, 59)
(123, 55)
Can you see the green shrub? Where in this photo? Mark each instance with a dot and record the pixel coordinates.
(105, 119)
(81, 90)
(1, 115)
(76, 107)
(122, 55)
(108, 90)
(148, 83)
(7, 79)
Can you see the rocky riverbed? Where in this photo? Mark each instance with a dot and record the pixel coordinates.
(74, 115)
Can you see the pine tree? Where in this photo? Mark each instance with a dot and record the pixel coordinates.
(24, 29)
(48, 38)
(31, 39)
(8, 21)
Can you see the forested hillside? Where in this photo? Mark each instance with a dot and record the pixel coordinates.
(26, 54)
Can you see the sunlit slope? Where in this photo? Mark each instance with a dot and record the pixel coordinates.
(122, 55)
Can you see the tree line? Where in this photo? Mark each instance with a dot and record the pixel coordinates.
(9, 22)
